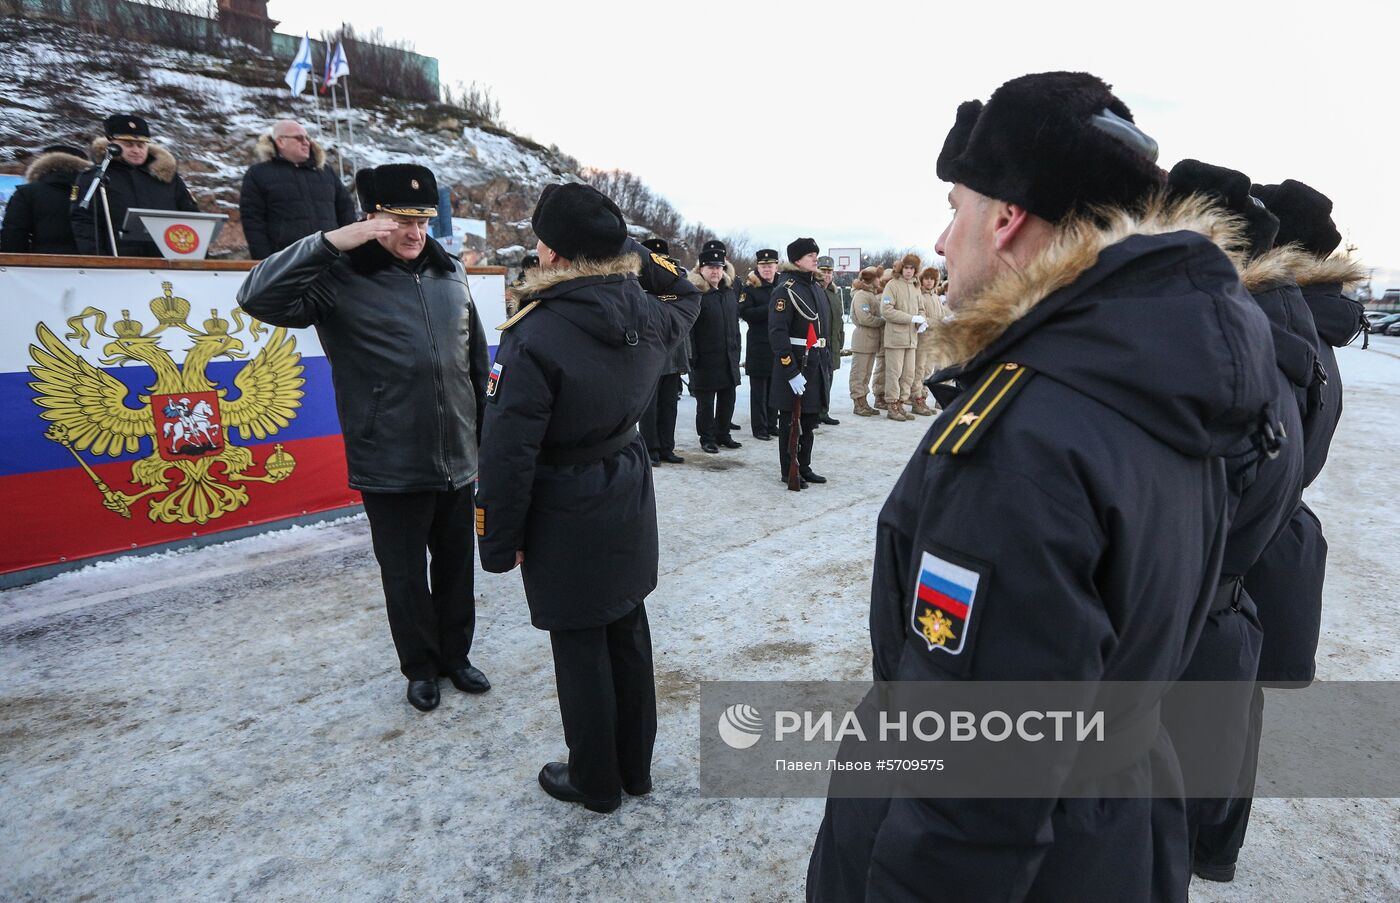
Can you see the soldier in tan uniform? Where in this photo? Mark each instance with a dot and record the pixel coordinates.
(904, 320)
(932, 307)
(867, 343)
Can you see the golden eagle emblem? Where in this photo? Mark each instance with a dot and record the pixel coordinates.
(183, 418)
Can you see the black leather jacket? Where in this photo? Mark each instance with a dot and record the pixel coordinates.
(407, 352)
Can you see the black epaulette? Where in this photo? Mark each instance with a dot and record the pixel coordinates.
(964, 424)
(519, 315)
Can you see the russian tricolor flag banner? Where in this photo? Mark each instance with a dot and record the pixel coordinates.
(943, 600)
(141, 406)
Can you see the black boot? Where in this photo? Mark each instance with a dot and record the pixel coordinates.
(554, 778)
(423, 695)
(811, 476)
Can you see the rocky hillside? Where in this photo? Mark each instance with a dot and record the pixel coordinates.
(209, 110)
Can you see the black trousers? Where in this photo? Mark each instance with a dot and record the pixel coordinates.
(658, 423)
(714, 409)
(808, 427)
(607, 698)
(432, 609)
(1220, 844)
(763, 417)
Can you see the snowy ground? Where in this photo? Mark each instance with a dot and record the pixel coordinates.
(229, 723)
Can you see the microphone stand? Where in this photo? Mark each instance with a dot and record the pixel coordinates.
(99, 183)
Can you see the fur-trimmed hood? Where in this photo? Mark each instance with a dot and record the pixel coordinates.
(160, 162)
(1143, 312)
(266, 150)
(861, 285)
(1337, 317)
(56, 163)
(1343, 271)
(601, 297)
(1276, 266)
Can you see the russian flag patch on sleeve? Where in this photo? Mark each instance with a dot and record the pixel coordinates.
(944, 595)
(494, 381)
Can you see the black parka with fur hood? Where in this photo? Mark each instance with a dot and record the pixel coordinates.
(36, 218)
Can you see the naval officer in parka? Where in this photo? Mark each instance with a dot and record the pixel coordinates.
(566, 488)
(409, 363)
(1106, 356)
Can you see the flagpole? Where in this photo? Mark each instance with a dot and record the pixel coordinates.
(350, 122)
(339, 151)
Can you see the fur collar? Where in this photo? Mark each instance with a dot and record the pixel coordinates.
(54, 163)
(371, 257)
(785, 269)
(1011, 295)
(539, 279)
(753, 280)
(1273, 267)
(266, 150)
(160, 163)
(725, 280)
(1333, 270)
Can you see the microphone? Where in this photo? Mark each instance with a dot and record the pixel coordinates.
(114, 151)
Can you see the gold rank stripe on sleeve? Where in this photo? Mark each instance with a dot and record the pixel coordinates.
(988, 400)
(519, 315)
(481, 522)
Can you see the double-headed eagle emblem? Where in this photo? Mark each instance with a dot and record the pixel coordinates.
(183, 418)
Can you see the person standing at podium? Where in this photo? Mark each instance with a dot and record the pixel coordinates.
(143, 175)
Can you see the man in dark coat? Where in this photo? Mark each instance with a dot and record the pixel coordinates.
(714, 352)
(1287, 579)
(290, 192)
(658, 423)
(566, 488)
(826, 275)
(145, 175)
(409, 363)
(754, 301)
(799, 326)
(1086, 352)
(37, 216)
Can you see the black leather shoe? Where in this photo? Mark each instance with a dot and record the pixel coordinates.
(763, 437)
(733, 426)
(641, 788)
(655, 460)
(728, 442)
(830, 421)
(811, 476)
(554, 778)
(423, 695)
(469, 680)
(671, 457)
(709, 447)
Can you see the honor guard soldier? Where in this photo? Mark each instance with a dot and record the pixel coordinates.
(1028, 494)
(566, 488)
(658, 424)
(754, 303)
(141, 174)
(799, 324)
(409, 364)
(826, 274)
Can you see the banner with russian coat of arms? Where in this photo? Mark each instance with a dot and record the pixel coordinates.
(142, 406)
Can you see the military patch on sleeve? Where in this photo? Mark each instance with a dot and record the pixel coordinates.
(743, 296)
(945, 594)
(493, 382)
(964, 423)
(865, 307)
(481, 522)
(73, 195)
(664, 264)
(780, 305)
(785, 360)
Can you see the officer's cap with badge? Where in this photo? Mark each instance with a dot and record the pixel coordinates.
(1055, 143)
(403, 189)
(1228, 189)
(766, 255)
(659, 245)
(712, 257)
(825, 263)
(714, 244)
(579, 222)
(126, 127)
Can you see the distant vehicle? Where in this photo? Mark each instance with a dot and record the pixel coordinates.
(1393, 327)
(1380, 327)
(1374, 315)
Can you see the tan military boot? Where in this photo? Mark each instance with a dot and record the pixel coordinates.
(921, 408)
(862, 409)
(895, 411)
(881, 404)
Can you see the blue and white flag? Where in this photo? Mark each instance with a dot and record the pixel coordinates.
(337, 67)
(301, 66)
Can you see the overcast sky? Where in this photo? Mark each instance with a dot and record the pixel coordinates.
(824, 119)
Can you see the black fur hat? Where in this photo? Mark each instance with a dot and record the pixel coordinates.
(658, 245)
(766, 255)
(406, 189)
(1304, 214)
(579, 222)
(1229, 189)
(1056, 143)
(801, 248)
(712, 257)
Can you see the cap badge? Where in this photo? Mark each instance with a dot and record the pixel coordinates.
(413, 183)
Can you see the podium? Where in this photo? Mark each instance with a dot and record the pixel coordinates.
(178, 235)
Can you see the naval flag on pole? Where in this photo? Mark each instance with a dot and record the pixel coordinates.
(301, 66)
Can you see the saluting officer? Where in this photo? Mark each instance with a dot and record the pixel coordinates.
(798, 329)
(566, 488)
(1029, 492)
(754, 303)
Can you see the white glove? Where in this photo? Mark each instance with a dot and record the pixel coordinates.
(798, 383)
(919, 320)
(923, 327)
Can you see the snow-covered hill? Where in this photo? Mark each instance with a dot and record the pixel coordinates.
(209, 110)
